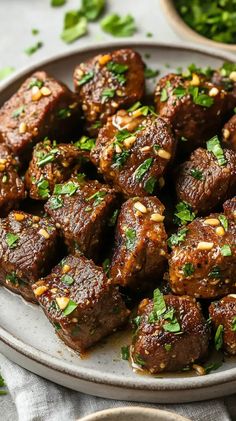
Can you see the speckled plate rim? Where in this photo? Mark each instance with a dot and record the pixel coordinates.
(92, 375)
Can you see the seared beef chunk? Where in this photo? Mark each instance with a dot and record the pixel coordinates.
(229, 133)
(81, 210)
(81, 302)
(27, 251)
(225, 78)
(172, 334)
(223, 316)
(205, 181)
(140, 246)
(133, 151)
(108, 82)
(202, 263)
(12, 189)
(41, 107)
(51, 164)
(230, 208)
(195, 108)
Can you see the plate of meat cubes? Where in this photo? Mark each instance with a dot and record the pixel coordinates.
(118, 221)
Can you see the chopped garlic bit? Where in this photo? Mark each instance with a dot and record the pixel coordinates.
(213, 92)
(204, 245)
(212, 221)
(44, 233)
(40, 290)
(62, 302)
(162, 153)
(157, 217)
(220, 231)
(140, 207)
(22, 127)
(45, 91)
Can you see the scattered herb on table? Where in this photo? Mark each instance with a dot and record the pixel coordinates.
(151, 73)
(119, 26)
(6, 71)
(92, 9)
(34, 31)
(58, 3)
(75, 26)
(34, 48)
(2, 384)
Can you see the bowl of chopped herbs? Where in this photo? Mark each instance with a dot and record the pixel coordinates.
(212, 22)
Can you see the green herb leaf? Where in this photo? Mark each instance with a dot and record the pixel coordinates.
(117, 68)
(212, 366)
(47, 158)
(34, 48)
(159, 305)
(224, 222)
(219, 337)
(172, 326)
(55, 202)
(12, 240)
(86, 78)
(64, 113)
(130, 234)
(71, 306)
(150, 73)
(177, 238)
(6, 71)
(226, 250)
(58, 3)
(215, 273)
(125, 352)
(188, 269)
(67, 279)
(197, 174)
(179, 92)
(35, 82)
(18, 111)
(119, 26)
(168, 347)
(142, 169)
(13, 278)
(138, 359)
(113, 218)
(75, 26)
(164, 95)
(107, 93)
(233, 328)
(214, 146)
(150, 184)
(34, 31)
(85, 143)
(183, 139)
(98, 197)
(137, 321)
(119, 159)
(106, 266)
(184, 213)
(43, 188)
(69, 188)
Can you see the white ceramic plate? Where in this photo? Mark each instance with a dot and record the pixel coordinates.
(134, 414)
(28, 338)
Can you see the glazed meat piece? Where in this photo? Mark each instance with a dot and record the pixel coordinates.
(140, 245)
(203, 259)
(229, 133)
(12, 189)
(133, 151)
(28, 250)
(223, 316)
(225, 78)
(41, 107)
(81, 210)
(81, 302)
(108, 82)
(172, 334)
(204, 181)
(230, 208)
(51, 164)
(195, 108)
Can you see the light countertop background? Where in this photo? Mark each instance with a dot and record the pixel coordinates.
(18, 17)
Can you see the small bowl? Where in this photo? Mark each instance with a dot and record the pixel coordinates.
(185, 31)
(133, 413)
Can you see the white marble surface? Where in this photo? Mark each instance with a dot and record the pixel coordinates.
(18, 17)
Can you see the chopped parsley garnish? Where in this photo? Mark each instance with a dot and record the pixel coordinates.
(2, 384)
(159, 305)
(150, 73)
(214, 146)
(130, 235)
(43, 188)
(136, 321)
(34, 31)
(106, 266)
(13, 278)
(233, 326)
(85, 143)
(160, 311)
(75, 26)
(142, 169)
(56, 202)
(138, 359)
(71, 306)
(224, 222)
(219, 337)
(212, 366)
(226, 250)
(18, 111)
(197, 174)
(119, 26)
(199, 97)
(113, 218)
(164, 95)
(12, 240)
(64, 113)
(68, 188)
(172, 326)
(92, 9)
(57, 326)
(108, 93)
(150, 184)
(57, 3)
(6, 71)
(98, 197)
(67, 279)
(47, 158)
(183, 139)
(215, 273)
(36, 82)
(86, 78)
(177, 238)
(188, 269)
(134, 107)
(168, 347)
(81, 177)
(117, 68)
(31, 50)
(192, 68)
(96, 125)
(125, 352)
(184, 213)
(119, 159)
(179, 92)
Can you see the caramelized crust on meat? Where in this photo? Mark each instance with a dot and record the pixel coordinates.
(229, 133)
(203, 264)
(140, 244)
(159, 345)
(230, 208)
(223, 313)
(203, 183)
(108, 82)
(81, 302)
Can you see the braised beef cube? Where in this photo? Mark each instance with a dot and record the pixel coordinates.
(171, 335)
(230, 208)
(140, 244)
(108, 82)
(27, 251)
(81, 210)
(51, 164)
(225, 78)
(194, 106)
(205, 181)
(133, 151)
(12, 189)
(41, 107)
(223, 317)
(81, 302)
(229, 133)
(203, 259)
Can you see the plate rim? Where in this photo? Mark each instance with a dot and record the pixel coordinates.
(88, 374)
